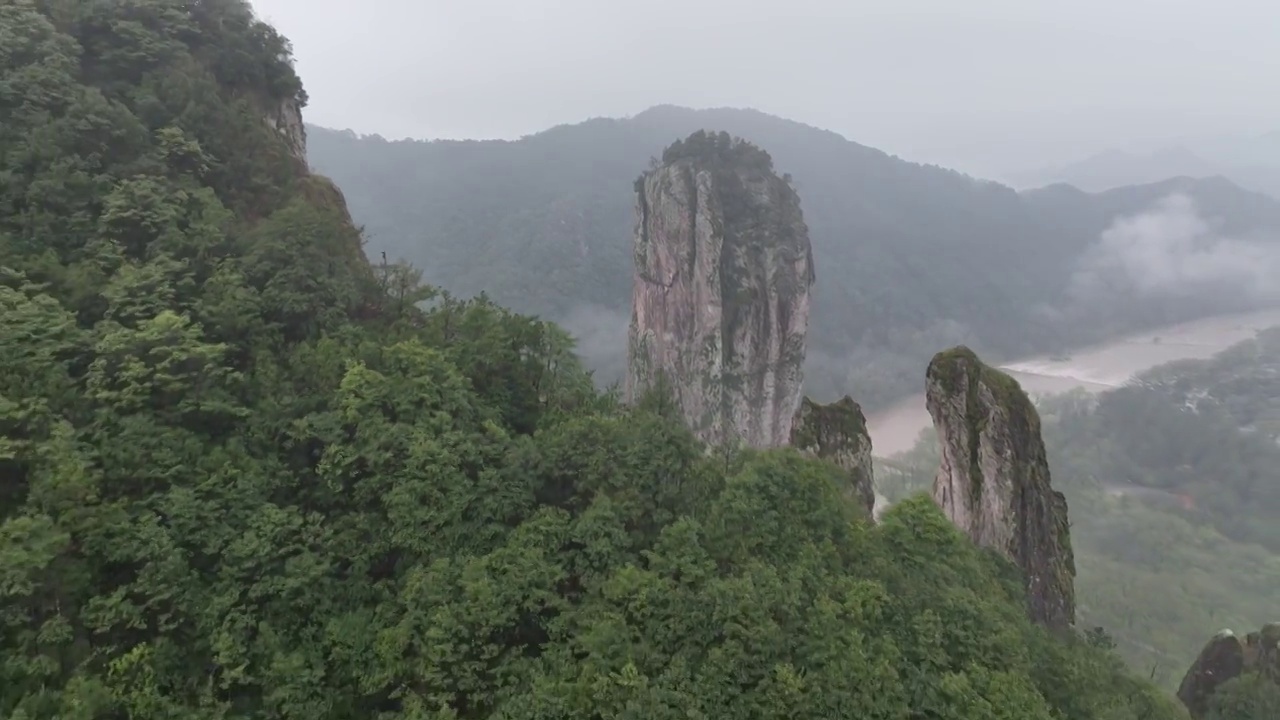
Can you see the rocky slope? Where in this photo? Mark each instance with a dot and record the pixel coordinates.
(720, 302)
(994, 479)
(838, 433)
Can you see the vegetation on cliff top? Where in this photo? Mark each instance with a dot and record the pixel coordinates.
(841, 422)
(716, 148)
(246, 476)
(739, 170)
(729, 159)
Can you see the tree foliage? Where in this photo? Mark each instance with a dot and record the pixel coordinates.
(1250, 697)
(244, 474)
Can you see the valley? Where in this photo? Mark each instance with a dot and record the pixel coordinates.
(1096, 368)
(302, 424)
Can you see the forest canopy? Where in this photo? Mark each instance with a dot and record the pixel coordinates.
(247, 475)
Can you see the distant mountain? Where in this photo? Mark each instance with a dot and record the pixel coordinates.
(1235, 150)
(910, 258)
(1115, 168)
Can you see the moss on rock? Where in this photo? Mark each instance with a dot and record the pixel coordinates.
(994, 482)
(838, 433)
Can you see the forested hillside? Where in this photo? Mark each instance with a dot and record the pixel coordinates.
(244, 476)
(909, 258)
(1174, 485)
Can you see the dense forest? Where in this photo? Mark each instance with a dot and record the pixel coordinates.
(247, 475)
(909, 258)
(1172, 483)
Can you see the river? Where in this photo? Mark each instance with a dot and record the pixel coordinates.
(1096, 368)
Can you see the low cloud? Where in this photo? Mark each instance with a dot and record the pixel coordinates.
(1171, 251)
(601, 337)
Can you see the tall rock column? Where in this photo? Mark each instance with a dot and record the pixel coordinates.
(720, 300)
(994, 479)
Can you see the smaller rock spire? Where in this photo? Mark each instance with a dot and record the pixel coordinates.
(1226, 658)
(994, 479)
(838, 433)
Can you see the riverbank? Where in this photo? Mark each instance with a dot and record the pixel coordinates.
(1096, 369)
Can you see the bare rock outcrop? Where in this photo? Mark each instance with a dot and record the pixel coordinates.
(994, 479)
(720, 303)
(1226, 657)
(286, 119)
(838, 433)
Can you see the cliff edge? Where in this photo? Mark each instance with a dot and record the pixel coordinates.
(994, 479)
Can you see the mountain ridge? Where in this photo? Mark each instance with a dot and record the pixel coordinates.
(1116, 168)
(910, 257)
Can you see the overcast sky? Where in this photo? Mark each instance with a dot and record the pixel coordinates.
(976, 84)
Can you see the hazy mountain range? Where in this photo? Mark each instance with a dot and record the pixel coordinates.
(1251, 163)
(909, 257)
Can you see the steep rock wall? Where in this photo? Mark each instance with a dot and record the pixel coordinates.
(994, 479)
(286, 119)
(720, 301)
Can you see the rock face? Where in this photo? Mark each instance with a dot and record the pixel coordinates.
(720, 300)
(994, 480)
(838, 433)
(1225, 658)
(286, 119)
(1220, 660)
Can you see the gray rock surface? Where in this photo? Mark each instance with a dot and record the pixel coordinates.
(286, 119)
(720, 302)
(994, 479)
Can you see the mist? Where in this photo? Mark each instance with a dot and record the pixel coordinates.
(1171, 251)
(600, 335)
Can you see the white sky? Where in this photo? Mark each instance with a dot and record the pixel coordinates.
(974, 84)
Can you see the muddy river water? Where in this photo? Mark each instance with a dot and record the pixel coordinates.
(1095, 368)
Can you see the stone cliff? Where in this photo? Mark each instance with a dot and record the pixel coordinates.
(994, 479)
(838, 433)
(1226, 658)
(286, 119)
(720, 300)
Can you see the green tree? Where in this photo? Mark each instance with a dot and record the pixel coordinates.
(246, 474)
(1252, 697)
